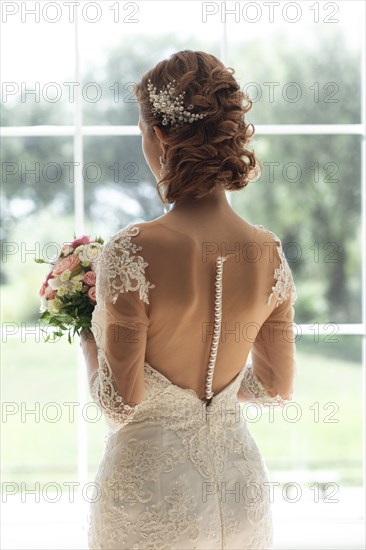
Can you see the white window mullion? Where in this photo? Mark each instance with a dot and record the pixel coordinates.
(77, 132)
(363, 232)
(82, 379)
(260, 129)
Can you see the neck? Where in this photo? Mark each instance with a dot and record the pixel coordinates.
(216, 199)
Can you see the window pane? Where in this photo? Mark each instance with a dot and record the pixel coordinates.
(37, 207)
(39, 435)
(309, 194)
(119, 187)
(321, 430)
(36, 78)
(126, 42)
(304, 66)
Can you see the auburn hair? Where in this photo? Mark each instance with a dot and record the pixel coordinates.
(210, 152)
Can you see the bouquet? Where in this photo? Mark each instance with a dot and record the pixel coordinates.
(68, 293)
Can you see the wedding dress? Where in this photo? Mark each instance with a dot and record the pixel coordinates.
(177, 315)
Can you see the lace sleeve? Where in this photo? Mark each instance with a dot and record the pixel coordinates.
(120, 324)
(121, 269)
(251, 389)
(270, 376)
(104, 391)
(284, 285)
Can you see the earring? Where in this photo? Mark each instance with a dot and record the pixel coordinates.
(163, 167)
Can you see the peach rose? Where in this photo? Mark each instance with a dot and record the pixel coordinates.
(91, 294)
(70, 262)
(90, 278)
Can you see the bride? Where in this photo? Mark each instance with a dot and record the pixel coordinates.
(181, 301)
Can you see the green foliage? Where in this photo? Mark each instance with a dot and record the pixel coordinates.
(74, 315)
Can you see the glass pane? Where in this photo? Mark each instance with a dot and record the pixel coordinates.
(128, 40)
(119, 186)
(37, 190)
(39, 435)
(36, 78)
(309, 194)
(300, 62)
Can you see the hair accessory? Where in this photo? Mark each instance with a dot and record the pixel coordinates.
(171, 106)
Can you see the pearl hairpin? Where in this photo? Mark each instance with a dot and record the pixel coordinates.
(171, 106)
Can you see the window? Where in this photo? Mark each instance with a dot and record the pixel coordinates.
(72, 162)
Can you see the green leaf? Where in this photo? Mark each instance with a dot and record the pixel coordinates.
(45, 315)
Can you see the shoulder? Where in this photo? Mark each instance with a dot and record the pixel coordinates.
(131, 238)
(284, 287)
(266, 235)
(122, 268)
(139, 233)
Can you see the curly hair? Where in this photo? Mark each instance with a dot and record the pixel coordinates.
(211, 152)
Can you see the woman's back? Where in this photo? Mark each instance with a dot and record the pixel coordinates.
(181, 253)
(173, 261)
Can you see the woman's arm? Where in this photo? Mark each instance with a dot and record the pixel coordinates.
(89, 347)
(270, 376)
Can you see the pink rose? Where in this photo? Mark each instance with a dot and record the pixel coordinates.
(91, 294)
(70, 262)
(42, 290)
(90, 278)
(82, 240)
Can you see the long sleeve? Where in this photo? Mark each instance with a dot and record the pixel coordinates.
(270, 376)
(119, 324)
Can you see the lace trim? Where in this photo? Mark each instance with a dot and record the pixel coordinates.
(92, 382)
(285, 285)
(251, 385)
(120, 268)
(104, 392)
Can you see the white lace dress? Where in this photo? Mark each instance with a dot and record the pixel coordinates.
(178, 471)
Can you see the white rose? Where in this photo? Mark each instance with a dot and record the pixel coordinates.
(55, 283)
(54, 305)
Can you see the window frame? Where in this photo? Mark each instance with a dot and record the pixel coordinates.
(78, 131)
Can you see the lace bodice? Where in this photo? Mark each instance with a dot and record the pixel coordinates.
(126, 314)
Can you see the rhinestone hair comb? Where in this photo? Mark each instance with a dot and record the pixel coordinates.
(171, 106)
